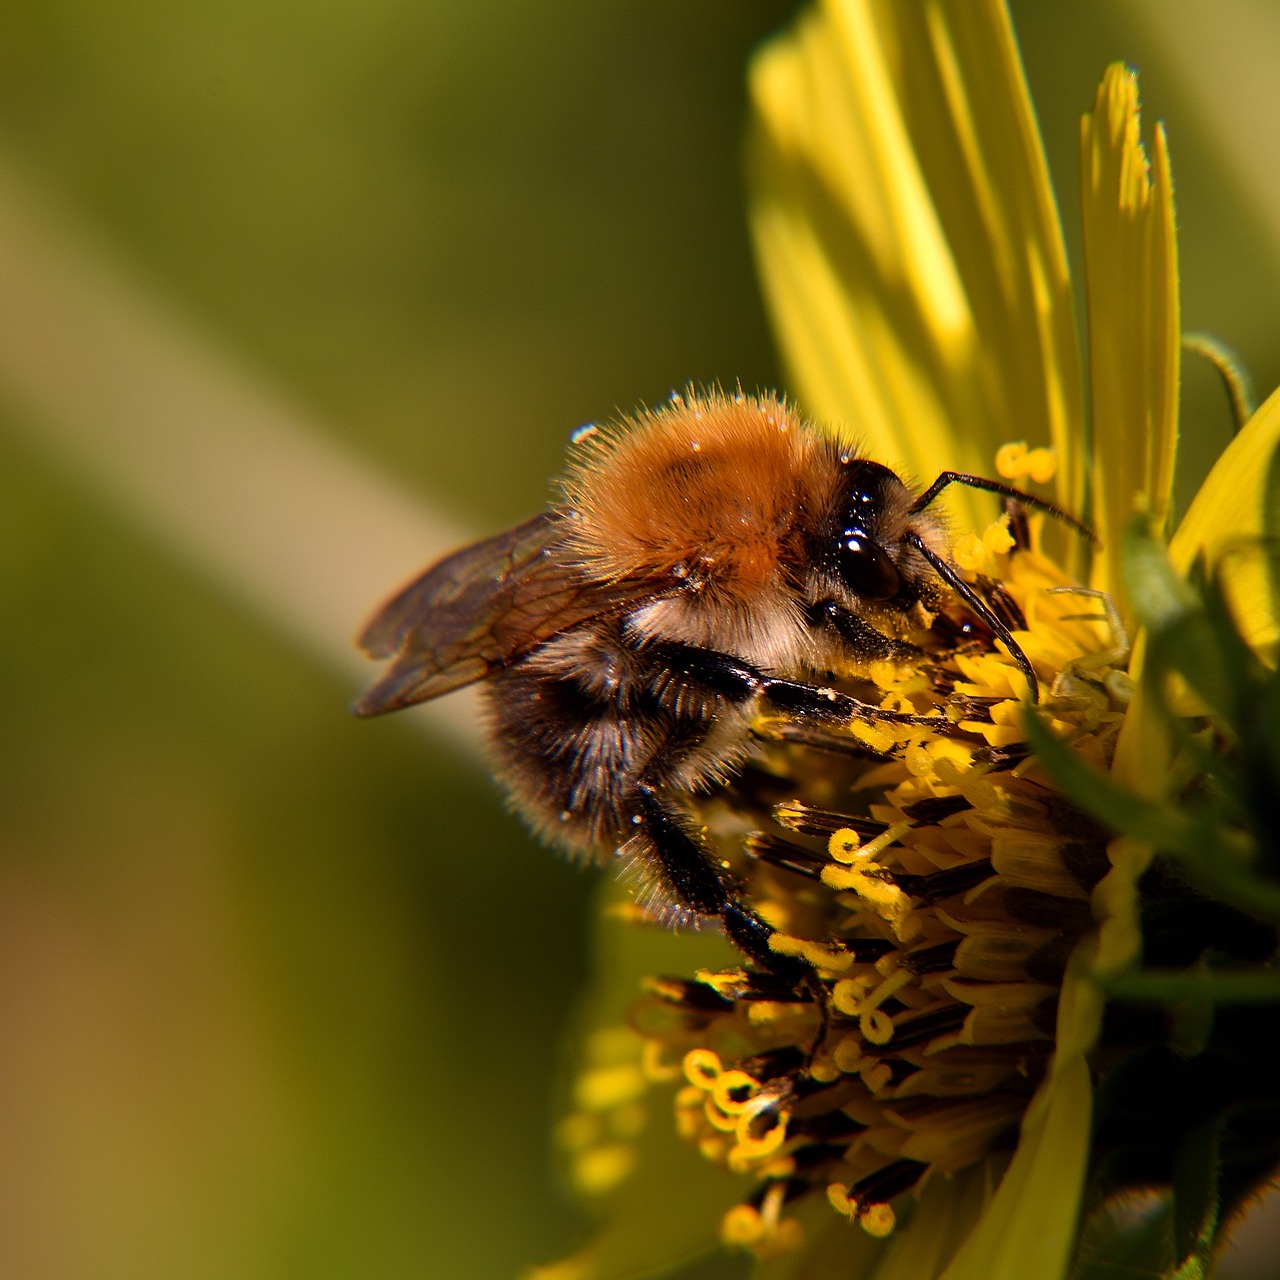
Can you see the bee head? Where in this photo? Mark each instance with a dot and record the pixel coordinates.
(865, 549)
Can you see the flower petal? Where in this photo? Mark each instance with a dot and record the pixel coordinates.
(666, 1212)
(941, 1222)
(1116, 906)
(1228, 522)
(908, 239)
(1029, 1227)
(1132, 278)
(665, 1204)
(836, 1249)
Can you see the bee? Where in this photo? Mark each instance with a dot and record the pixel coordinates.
(708, 561)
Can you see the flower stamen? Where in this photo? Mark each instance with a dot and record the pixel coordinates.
(938, 918)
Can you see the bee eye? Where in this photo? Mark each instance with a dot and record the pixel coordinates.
(865, 568)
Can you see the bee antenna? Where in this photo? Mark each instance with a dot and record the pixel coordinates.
(927, 498)
(948, 573)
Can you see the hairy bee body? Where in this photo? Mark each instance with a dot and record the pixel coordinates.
(577, 727)
(708, 559)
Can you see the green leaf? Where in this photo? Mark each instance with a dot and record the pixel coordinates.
(1218, 1158)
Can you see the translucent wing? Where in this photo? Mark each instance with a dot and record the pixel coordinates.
(480, 610)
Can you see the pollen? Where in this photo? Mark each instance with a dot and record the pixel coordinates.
(1042, 465)
(971, 553)
(935, 883)
(878, 1220)
(997, 539)
(611, 1110)
(762, 1229)
(608, 1087)
(827, 956)
(844, 845)
(600, 1169)
(1015, 461)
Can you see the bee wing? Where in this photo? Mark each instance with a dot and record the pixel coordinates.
(478, 611)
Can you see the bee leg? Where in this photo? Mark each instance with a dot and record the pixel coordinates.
(794, 698)
(814, 985)
(739, 682)
(702, 888)
(708, 670)
(750, 934)
(862, 638)
(951, 576)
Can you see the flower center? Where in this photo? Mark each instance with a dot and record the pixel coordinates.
(937, 884)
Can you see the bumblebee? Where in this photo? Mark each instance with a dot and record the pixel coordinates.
(710, 561)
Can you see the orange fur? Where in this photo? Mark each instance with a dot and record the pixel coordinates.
(709, 485)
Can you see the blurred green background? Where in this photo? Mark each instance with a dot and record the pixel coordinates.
(281, 994)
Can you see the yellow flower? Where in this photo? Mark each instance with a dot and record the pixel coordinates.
(965, 921)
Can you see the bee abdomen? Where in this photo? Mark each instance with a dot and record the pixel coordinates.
(574, 755)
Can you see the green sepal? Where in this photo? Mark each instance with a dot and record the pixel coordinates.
(1212, 856)
(1191, 633)
(1196, 1204)
(1160, 1197)
(1158, 596)
(1117, 1242)
(1189, 630)
(1248, 1147)
(1199, 984)
(1218, 1164)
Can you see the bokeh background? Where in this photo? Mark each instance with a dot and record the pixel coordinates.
(283, 994)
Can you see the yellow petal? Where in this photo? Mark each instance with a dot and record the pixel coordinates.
(834, 1249)
(918, 1250)
(1132, 279)
(948, 1208)
(908, 239)
(1226, 523)
(1143, 749)
(667, 1205)
(1029, 1227)
(1116, 905)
